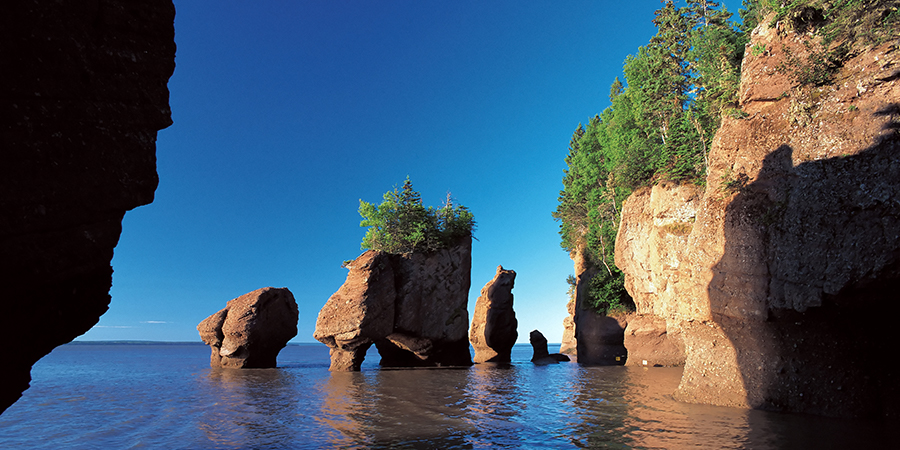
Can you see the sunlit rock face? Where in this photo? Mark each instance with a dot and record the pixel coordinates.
(781, 276)
(413, 307)
(569, 345)
(251, 330)
(651, 344)
(82, 96)
(493, 332)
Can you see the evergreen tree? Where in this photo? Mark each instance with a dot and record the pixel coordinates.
(658, 127)
(402, 224)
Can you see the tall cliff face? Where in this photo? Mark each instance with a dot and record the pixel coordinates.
(783, 283)
(84, 93)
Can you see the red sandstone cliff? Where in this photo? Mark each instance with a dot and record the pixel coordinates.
(780, 277)
(82, 95)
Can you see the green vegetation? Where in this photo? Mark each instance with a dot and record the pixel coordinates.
(834, 30)
(676, 89)
(659, 127)
(735, 113)
(401, 224)
(817, 69)
(607, 294)
(758, 49)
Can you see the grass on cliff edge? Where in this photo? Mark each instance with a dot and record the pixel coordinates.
(835, 31)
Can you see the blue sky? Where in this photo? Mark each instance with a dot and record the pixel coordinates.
(287, 113)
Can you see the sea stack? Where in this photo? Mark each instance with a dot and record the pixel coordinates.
(493, 331)
(251, 329)
(412, 306)
(541, 355)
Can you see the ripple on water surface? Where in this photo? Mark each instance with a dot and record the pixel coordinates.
(166, 396)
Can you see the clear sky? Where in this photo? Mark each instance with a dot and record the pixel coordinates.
(287, 113)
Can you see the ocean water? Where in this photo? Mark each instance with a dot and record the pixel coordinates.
(120, 396)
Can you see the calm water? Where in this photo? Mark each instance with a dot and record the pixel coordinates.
(166, 396)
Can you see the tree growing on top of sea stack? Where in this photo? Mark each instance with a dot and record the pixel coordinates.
(408, 292)
(402, 224)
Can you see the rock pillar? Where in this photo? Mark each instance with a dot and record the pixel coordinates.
(413, 307)
(493, 332)
(251, 330)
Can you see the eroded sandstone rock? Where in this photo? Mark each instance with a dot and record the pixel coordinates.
(797, 229)
(82, 96)
(598, 338)
(493, 332)
(413, 307)
(650, 343)
(540, 353)
(251, 329)
(569, 345)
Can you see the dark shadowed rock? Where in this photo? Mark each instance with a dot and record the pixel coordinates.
(493, 331)
(251, 330)
(598, 339)
(541, 355)
(82, 96)
(413, 307)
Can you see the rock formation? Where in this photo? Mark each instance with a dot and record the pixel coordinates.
(540, 353)
(250, 331)
(650, 343)
(669, 212)
(569, 345)
(780, 278)
(598, 339)
(493, 331)
(413, 307)
(83, 94)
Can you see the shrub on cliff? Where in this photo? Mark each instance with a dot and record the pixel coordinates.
(831, 31)
(607, 294)
(659, 126)
(401, 224)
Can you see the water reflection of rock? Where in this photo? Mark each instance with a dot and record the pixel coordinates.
(647, 399)
(388, 407)
(251, 408)
(596, 405)
(346, 400)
